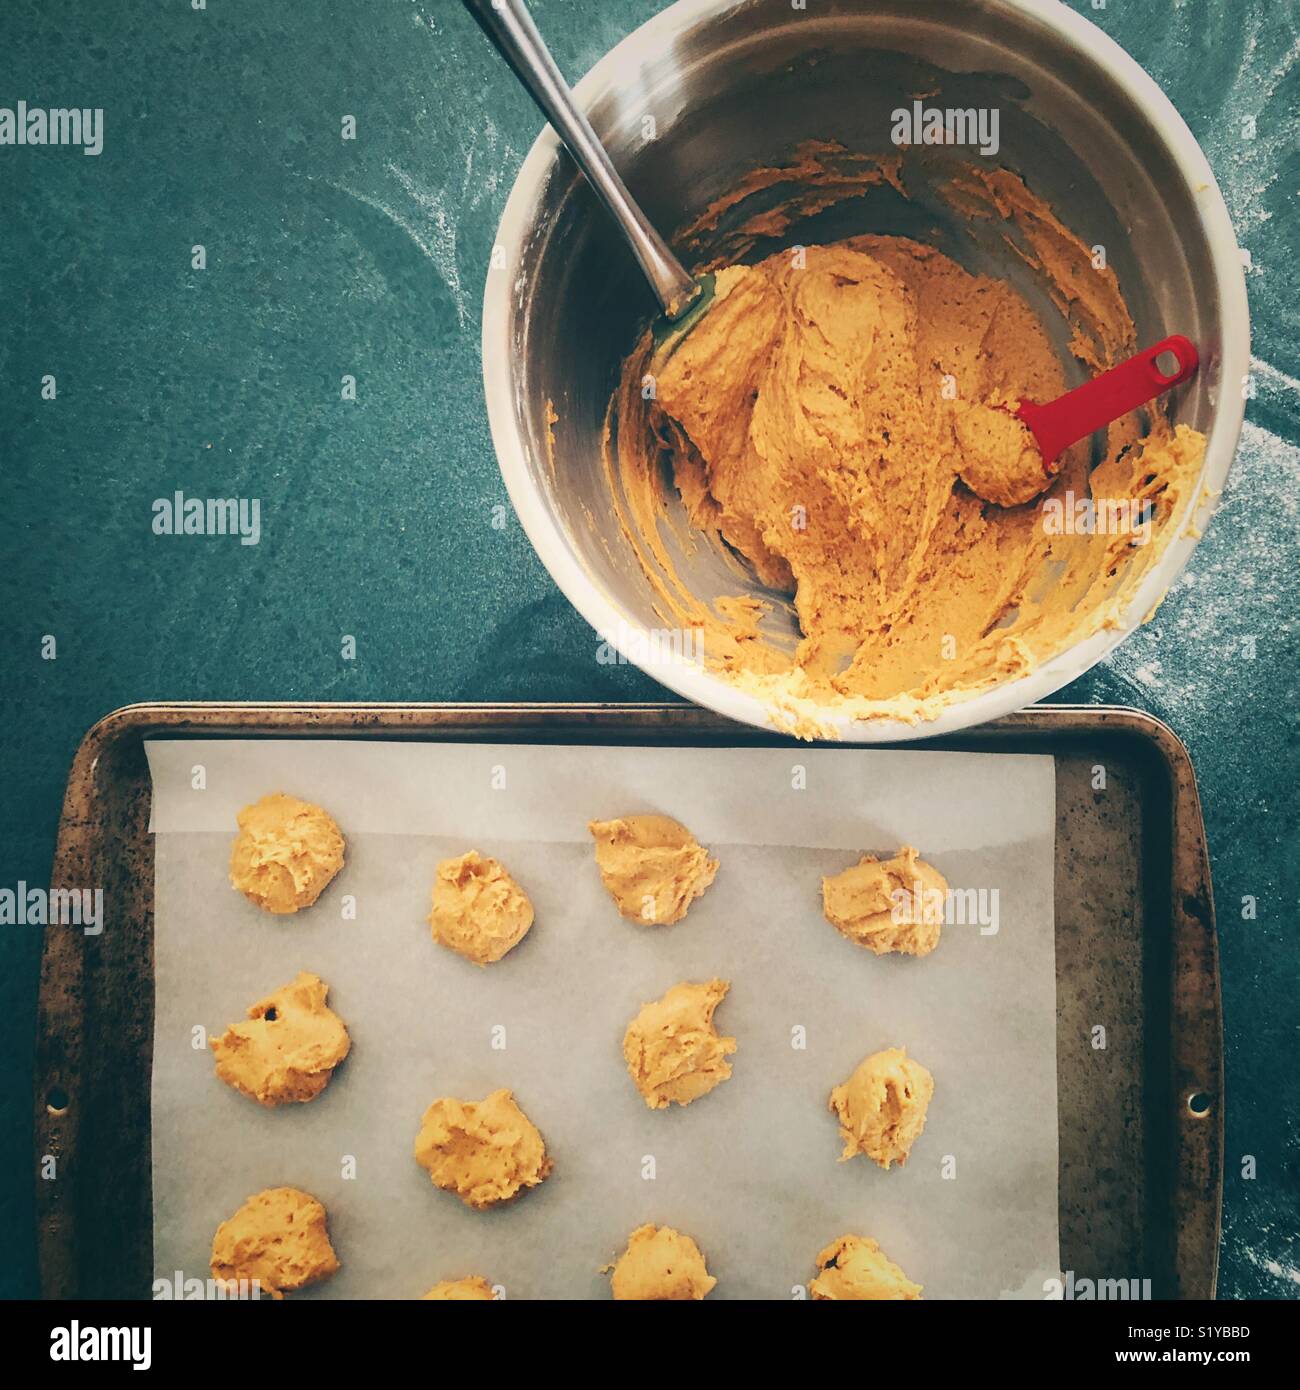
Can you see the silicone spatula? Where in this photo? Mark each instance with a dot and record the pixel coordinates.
(1095, 404)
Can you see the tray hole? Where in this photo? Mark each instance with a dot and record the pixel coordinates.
(1199, 1104)
(57, 1101)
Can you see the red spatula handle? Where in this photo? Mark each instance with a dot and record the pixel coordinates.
(1093, 406)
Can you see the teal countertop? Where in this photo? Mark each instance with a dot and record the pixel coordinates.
(367, 257)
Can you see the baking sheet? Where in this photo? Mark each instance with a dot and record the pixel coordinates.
(750, 1170)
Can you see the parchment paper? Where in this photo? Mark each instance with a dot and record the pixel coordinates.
(750, 1170)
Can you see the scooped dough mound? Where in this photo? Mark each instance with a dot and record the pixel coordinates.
(672, 1048)
(479, 911)
(881, 1107)
(660, 1263)
(472, 1289)
(855, 1267)
(279, 1238)
(288, 1048)
(888, 905)
(1000, 458)
(653, 867)
(285, 854)
(485, 1151)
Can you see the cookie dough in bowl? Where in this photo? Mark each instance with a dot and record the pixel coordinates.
(815, 510)
(837, 421)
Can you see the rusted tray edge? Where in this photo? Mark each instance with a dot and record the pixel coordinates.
(1194, 1182)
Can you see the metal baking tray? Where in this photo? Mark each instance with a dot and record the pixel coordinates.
(1141, 1125)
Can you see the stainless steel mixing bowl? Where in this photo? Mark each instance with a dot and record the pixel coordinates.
(732, 87)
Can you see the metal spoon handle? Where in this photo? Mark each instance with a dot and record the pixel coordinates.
(510, 27)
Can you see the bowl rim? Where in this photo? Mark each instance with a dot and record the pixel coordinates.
(622, 63)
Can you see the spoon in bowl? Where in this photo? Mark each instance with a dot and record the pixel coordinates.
(1010, 451)
(510, 27)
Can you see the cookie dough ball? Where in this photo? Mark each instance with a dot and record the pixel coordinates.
(279, 1238)
(672, 1049)
(660, 1263)
(881, 1107)
(285, 854)
(888, 905)
(855, 1267)
(999, 457)
(474, 1288)
(485, 1151)
(479, 911)
(653, 867)
(288, 1048)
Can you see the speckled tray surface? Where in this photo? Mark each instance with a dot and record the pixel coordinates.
(1140, 1120)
